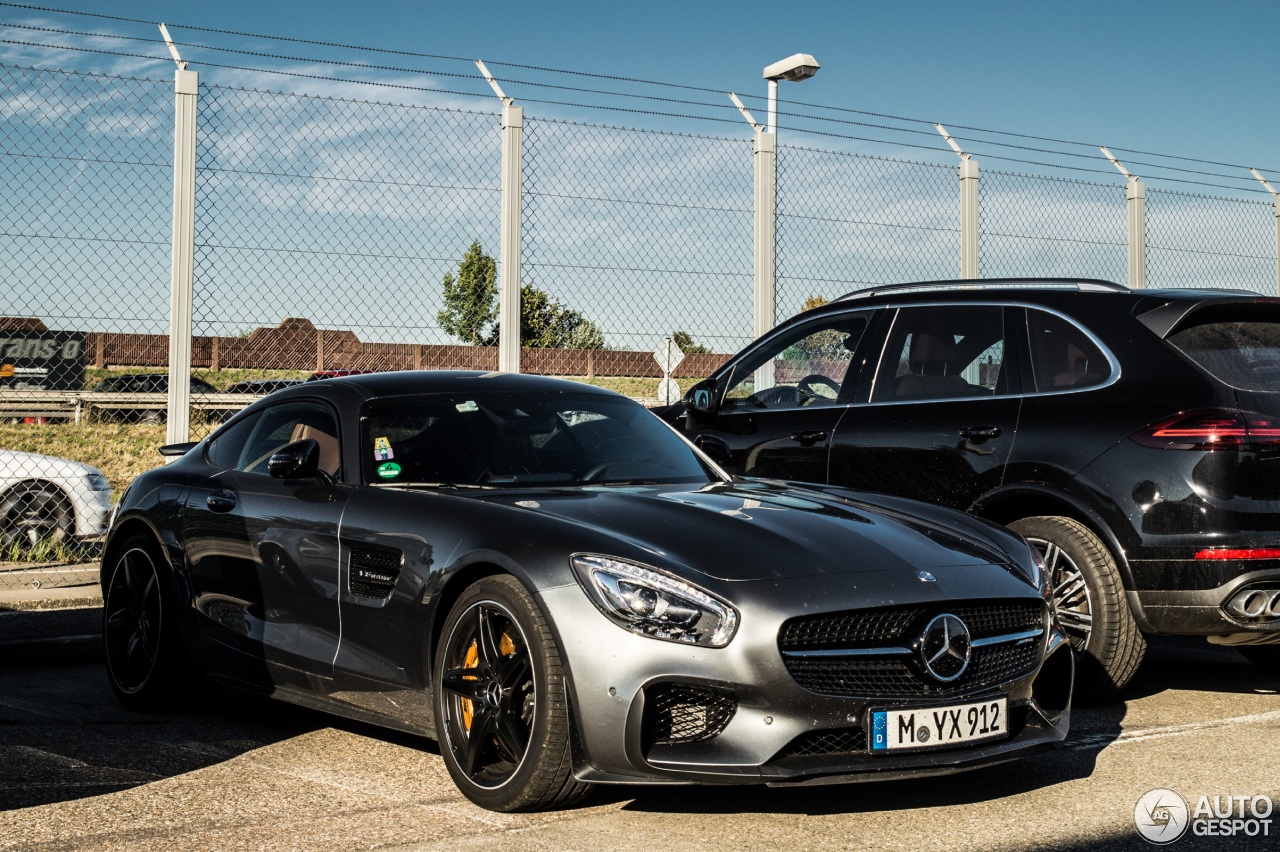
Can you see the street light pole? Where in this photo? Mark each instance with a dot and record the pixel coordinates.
(800, 66)
(797, 67)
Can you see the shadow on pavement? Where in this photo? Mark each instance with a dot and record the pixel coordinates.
(63, 735)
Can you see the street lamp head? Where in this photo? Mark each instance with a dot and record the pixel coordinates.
(795, 68)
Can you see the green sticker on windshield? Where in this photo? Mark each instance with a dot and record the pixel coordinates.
(390, 470)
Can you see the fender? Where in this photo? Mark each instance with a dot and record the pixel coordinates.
(988, 506)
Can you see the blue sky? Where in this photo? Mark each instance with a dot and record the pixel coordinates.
(1185, 78)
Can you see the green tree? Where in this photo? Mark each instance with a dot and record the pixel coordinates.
(546, 324)
(687, 345)
(826, 345)
(471, 299)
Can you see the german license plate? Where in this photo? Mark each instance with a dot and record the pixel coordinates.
(939, 727)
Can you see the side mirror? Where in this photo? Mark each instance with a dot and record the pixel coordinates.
(702, 398)
(299, 460)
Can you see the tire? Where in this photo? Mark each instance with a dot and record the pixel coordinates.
(34, 513)
(502, 718)
(1090, 600)
(1263, 656)
(146, 660)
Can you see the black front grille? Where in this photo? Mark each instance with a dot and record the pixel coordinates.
(374, 572)
(847, 630)
(684, 713)
(820, 743)
(900, 675)
(988, 620)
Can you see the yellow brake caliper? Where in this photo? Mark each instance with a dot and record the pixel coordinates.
(506, 647)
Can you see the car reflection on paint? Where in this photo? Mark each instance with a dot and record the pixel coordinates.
(560, 590)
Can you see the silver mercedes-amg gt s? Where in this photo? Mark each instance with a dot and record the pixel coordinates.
(562, 591)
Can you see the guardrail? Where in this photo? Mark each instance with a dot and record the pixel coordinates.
(80, 406)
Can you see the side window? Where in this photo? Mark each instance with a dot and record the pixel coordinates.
(805, 367)
(224, 448)
(1062, 355)
(943, 352)
(281, 425)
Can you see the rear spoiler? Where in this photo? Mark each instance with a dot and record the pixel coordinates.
(1162, 320)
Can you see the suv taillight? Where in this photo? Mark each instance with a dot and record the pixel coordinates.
(1215, 429)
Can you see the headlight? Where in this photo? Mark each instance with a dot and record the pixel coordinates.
(654, 604)
(97, 482)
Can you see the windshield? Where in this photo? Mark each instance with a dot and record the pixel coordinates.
(520, 440)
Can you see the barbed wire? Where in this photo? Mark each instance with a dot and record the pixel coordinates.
(989, 148)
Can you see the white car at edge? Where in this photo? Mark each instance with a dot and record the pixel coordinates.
(43, 497)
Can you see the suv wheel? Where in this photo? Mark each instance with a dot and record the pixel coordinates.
(1090, 600)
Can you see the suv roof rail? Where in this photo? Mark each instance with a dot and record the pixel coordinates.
(1080, 284)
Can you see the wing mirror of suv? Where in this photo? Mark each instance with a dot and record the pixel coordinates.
(702, 399)
(299, 460)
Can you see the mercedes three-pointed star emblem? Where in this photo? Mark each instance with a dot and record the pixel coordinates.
(945, 647)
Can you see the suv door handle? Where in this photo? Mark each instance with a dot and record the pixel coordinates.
(221, 501)
(978, 434)
(808, 439)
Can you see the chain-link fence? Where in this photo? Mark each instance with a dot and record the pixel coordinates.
(1054, 226)
(847, 221)
(85, 179)
(1202, 241)
(336, 234)
(645, 234)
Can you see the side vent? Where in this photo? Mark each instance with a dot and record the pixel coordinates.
(374, 572)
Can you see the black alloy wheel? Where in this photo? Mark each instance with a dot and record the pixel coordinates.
(501, 715)
(143, 652)
(1090, 601)
(32, 514)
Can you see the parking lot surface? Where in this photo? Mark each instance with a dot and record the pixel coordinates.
(240, 772)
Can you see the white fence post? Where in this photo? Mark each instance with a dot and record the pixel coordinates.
(968, 217)
(1135, 195)
(1276, 207)
(765, 236)
(182, 269)
(509, 241)
(765, 231)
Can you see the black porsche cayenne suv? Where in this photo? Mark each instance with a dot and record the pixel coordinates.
(1133, 436)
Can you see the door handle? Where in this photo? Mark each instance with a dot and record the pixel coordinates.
(808, 439)
(221, 501)
(978, 434)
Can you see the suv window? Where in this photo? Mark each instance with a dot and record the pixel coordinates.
(1243, 354)
(807, 366)
(1062, 354)
(942, 352)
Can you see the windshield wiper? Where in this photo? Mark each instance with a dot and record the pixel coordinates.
(443, 484)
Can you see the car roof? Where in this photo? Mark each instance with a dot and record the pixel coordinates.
(1001, 288)
(409, 382)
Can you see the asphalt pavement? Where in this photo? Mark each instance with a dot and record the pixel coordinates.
(49, 612)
